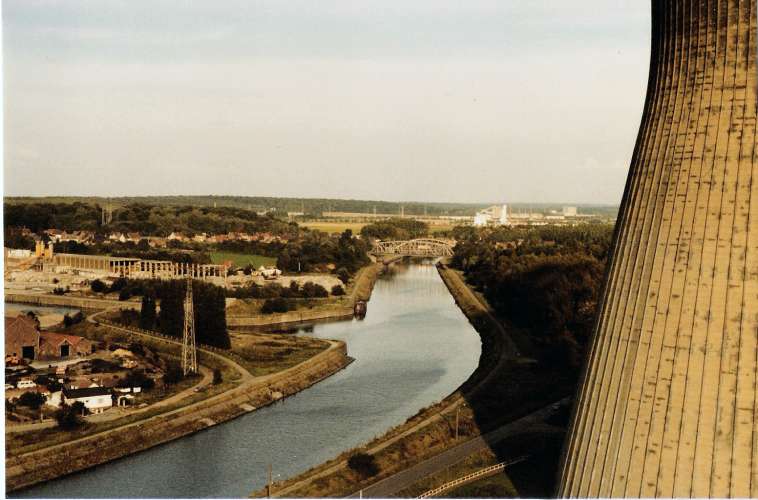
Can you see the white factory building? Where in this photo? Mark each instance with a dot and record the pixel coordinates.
(496, 215)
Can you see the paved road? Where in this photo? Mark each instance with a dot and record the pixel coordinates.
(397, 482)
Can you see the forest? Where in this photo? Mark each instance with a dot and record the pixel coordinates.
(395, 229)
(545, 280)
(318, 252)
(152, 220)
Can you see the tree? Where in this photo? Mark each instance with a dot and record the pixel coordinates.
(337, 290)
(173, 374)
(275, 305)
(33, 400)
(343, 275)
(70, 417)
(118, 285)
(98, 286)
(364, 464)
(148, 312)
(217, 378)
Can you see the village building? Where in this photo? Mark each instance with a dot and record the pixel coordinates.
(58, 345)
(21, 337)
(95, 399)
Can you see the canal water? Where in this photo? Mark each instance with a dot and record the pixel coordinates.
(12, 309)
(413, 348)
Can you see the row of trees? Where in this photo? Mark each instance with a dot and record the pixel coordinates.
(309, 290)
(546, 280)
(208, 301)
(157, 220)
(317, 251)
(395, 229)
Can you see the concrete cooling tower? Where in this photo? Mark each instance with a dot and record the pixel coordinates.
(668, 402)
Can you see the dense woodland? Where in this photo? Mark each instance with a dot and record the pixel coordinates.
(154, 220)
(316, 251)
(209, 303)
(546, 280)
(395, 229)
(312, 207)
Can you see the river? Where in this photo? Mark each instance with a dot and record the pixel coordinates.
(413, 348)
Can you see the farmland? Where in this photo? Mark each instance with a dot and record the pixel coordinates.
(242, 259)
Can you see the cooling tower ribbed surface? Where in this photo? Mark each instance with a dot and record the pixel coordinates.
(667, 405)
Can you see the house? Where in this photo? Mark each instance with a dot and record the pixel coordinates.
(95, 399)
(58, 345)
(134, 237)
(120, 237)
(176, 237)
(22, 337)
(54, 235)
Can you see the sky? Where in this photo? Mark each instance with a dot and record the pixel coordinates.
(408, 100)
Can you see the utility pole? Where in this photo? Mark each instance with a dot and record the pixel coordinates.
(270, 485)
(457, 419)
(189, 349)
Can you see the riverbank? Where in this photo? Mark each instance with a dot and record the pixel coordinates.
(360, 289)
(505, 386)
(48, 463)
(84, 303)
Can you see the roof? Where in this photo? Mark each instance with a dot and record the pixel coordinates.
(20, 327)
(86, 392)
(58, 338)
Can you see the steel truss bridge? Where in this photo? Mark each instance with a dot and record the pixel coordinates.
(422, 247)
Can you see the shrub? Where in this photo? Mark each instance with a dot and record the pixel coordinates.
(275, 305)
(32, 400)
(70, 417)
(98, 286)
(173, 375)
(217, 378)
(364, 464)
(124, 294)
(338, 290)
(343, 275)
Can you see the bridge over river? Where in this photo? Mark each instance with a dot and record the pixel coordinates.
(420, 247)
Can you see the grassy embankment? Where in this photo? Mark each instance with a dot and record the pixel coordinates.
(242, 259)
(332, 307)
(504, 387)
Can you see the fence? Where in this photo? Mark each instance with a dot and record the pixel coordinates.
(152, 333)
(487, 471)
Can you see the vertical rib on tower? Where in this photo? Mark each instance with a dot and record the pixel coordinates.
(667, 405)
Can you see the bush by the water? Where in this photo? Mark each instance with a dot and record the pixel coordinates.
(275, 305)
(364, 464)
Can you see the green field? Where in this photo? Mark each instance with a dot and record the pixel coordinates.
(334, 227)
(242, 259)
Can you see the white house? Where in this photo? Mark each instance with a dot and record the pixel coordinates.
(95, 399)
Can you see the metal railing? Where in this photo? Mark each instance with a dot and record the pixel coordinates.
(487, 471)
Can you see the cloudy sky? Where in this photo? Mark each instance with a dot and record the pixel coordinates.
(436, 100)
